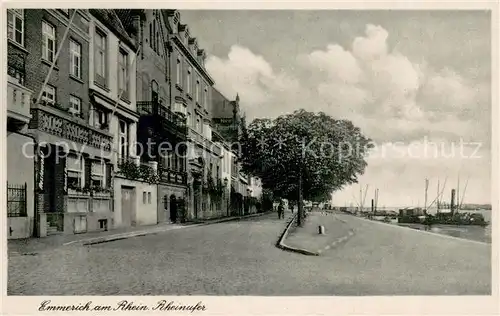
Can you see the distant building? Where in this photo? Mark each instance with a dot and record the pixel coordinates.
(229, 122)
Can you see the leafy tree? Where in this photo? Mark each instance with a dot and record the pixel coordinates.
(329, 153)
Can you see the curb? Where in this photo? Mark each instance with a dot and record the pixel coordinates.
(110, 238)
(280, 244)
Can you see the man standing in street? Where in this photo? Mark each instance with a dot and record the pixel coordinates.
(281, 210)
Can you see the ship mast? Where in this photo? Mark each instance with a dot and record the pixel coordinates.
(364, 197)
(426, 188)
(437, 201)
(463, 194)
(458, 193)
(360, 198)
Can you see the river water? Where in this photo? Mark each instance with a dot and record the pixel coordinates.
(477, 233)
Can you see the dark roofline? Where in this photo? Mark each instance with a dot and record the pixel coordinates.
(117, 30)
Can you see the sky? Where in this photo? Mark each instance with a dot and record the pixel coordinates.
(418, 83)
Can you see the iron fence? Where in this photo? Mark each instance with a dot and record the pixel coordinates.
(16, 200)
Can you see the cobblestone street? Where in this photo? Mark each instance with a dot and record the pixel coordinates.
(240, 258)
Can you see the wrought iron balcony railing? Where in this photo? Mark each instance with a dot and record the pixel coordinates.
(16, 67)
(172, 176)
(155, 108)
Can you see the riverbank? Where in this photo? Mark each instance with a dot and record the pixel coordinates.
(476, 233)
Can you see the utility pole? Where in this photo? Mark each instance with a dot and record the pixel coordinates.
(360, 199)
(300, 210)
(438, 193)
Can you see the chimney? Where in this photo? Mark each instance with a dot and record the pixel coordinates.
(452, 205)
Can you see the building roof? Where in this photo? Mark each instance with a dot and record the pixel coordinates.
(110, 18)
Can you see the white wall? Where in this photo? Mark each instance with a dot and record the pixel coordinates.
(146, 213)
(226, 165)
(256, 187)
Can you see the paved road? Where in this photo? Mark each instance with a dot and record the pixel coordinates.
(239, 258)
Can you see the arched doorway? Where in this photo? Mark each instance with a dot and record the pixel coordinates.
(173, 209)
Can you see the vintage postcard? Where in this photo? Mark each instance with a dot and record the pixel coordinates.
(250, 158)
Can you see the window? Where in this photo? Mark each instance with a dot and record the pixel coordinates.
(154, 91)
(100, 118)
(48, 41)
(166, 156)
(49, 94)
(188, 119)
(205, 97)
(151, 35)
(170, 162)
(198, 124)
(149, 197)
(158, 42)
(98, 176)
(178, 72)
(144, 196)
(123, 73)
(15, 25)
(197, 91)
(181, 164)
(75, 58)
(75, 175)
(100, 57)
(123, 140)
(75, 105)
(153, 43)
(189, 81)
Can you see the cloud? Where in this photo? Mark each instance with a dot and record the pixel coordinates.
(249, 75)
(390, 96)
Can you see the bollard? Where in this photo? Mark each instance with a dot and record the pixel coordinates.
(321, 230)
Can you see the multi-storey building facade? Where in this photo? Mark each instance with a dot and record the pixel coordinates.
(113, 99)
(20, 186)
(191, 97)
(161, 131)
(68, 145)
(110, 117)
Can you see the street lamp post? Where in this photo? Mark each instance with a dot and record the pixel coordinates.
(300, 214)
(227, 196)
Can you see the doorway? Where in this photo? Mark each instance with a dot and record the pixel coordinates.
(173, 209)
(128, 209)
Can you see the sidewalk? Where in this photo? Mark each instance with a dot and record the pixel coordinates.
(33, 245)
(308, 237)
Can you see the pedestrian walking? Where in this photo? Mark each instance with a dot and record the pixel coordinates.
(281, 210)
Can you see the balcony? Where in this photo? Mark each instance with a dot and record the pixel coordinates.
(18, 102)
(169, 120)
(172, 176)
(18, 96)
(204, 142)
(63, 125)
